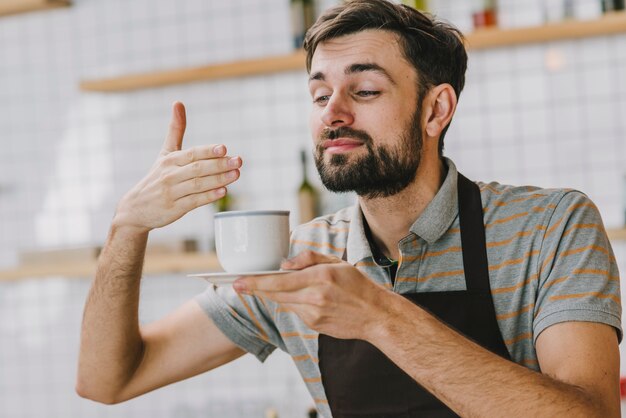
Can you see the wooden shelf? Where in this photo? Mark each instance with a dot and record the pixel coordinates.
(11, 7)
(617, 234)
(182, 263)
(608, 24)
(279, 63)
(174, 263)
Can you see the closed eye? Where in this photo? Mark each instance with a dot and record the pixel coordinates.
(367, 93)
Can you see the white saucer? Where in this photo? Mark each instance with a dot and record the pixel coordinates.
(223, 278)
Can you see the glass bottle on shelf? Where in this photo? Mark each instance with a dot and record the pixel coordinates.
(302, 18)
(612, 5)
(224, 204)
(486, 14)
(421, 5)
(308, 197)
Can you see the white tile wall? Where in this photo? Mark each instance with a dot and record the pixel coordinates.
(551, 115)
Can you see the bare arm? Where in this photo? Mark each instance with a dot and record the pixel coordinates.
(579, 360)
(579, 363)
(118, 359)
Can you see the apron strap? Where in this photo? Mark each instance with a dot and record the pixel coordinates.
(475, 265)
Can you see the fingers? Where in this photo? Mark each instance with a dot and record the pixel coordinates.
(289, 282)
(203, 168)
(202, 152)
(193, 201)
(178, 123)
(307, 259)
(203, 184)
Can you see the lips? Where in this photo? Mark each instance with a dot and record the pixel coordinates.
(340, 145)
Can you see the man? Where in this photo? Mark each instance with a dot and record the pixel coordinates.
(433, 296)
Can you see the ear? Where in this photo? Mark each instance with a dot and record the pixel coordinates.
(438, 108)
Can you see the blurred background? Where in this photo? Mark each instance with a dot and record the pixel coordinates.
(544, 105)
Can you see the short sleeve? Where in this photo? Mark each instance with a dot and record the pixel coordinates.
(245, 320)
(577, 270)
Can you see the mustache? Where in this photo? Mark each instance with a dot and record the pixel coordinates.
(345, 132)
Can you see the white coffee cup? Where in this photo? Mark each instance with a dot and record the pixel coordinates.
(252, 240)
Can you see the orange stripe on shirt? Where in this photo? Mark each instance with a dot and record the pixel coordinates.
(543, 208)
(547, 261)
(253, 317)
(519, 199)
(508, 241)
(518, 338)
(583, 226)
(514, 261)
(262, 299)
(529, 362)
(318, 245)
(555, 281)
(599, 295)
(581, 271)
(583, 249)
(513, 288)
(318, 400)
(430, 276)
(596, 271)
(505, 220)
(305, 357)
(553, 228)
(312, 379)
(491, 189)
(582, 205)
(431, 254)
(516, 313)
(575, 226)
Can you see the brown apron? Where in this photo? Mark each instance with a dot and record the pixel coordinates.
(360, 381)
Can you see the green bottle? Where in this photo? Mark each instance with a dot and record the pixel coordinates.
(421, 5)
(223, 204)
(302, 18)
(308, 197)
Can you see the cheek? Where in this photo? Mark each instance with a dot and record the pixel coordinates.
(315, 124)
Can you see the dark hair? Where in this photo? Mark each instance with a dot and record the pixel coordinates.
(435, 48)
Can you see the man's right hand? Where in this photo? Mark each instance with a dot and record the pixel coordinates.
(179, 181)
(119, 358)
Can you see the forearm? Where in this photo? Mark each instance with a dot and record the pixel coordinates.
(111, 345)
(469, 379)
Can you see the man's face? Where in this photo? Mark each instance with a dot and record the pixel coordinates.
(366, 119)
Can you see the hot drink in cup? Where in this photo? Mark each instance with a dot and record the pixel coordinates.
(252, 240)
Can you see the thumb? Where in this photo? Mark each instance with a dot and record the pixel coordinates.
(174, 139)
(307, 259)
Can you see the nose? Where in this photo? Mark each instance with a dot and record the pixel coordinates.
(337, 111)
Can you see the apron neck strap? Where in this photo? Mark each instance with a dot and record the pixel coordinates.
(473, 241)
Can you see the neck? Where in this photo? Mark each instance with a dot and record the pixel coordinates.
(390, 218)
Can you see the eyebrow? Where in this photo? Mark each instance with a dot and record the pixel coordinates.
(356, 68)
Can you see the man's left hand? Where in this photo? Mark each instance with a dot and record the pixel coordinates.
(330, 295)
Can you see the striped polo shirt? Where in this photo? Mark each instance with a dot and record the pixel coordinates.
(549, 258)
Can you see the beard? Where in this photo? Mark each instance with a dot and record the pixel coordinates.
(384, 171)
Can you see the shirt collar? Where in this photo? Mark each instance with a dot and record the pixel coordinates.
(358, 247)
(430, 225)
(436, 219)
